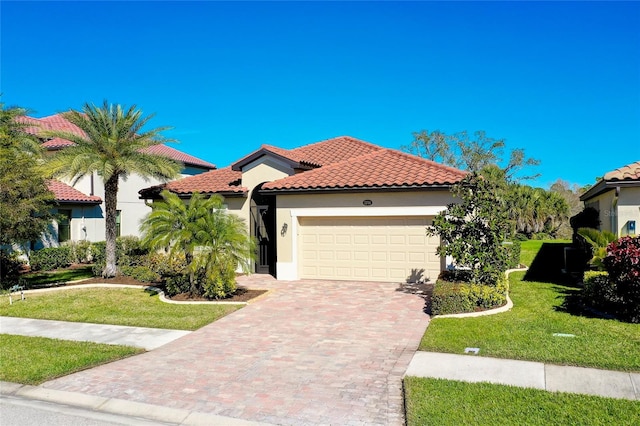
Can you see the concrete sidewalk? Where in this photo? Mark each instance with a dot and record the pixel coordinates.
(553, 378)
(141, 337)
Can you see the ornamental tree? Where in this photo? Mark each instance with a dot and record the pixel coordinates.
(473, 229)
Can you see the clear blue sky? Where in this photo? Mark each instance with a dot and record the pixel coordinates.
(561, 80)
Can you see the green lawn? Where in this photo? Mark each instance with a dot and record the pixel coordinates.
(529, 249)
(118, 306)
(35, 279)
(445, 402)
(33, 360)
(526, 332)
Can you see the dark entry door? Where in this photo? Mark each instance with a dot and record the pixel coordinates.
(263, 223)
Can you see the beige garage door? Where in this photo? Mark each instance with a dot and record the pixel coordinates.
(367, 248)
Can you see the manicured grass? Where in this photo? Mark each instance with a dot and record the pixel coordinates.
(118, 306)
(62, 276)
(529, 249)
(445, 402)
(526, 332)
(33, 360)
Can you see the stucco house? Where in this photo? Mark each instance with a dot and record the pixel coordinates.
(81, 202)
(617, 199)
(339, 209)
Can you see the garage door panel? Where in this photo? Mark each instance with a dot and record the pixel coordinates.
(367, 248)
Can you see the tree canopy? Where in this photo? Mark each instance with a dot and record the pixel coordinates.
(113, 145)
(469, 152)
(25, 200)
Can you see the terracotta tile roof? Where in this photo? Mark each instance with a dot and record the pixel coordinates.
(334, 150)
(57, 122)
(184, 158)
(68, 194)
(315, 155)
(377, 169)
(224, 180)
(628, 172)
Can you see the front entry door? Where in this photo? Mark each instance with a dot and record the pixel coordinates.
(263, 223)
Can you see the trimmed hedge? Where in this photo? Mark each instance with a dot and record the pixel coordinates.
(459, 297)
(50, 258)
(513, 253)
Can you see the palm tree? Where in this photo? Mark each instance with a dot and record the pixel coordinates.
(114, 146)
(212, 240)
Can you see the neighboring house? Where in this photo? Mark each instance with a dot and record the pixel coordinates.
(340, 209)
(81, 201)
(617, 198)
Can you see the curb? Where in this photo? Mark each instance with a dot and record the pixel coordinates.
(499, 310)
(152, 288)
(121, 407)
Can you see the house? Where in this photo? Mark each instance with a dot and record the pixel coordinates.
(339, 209)
(80, 203)
(617, 199)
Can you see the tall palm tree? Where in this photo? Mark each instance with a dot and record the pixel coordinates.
(211, 239)
(114, 146)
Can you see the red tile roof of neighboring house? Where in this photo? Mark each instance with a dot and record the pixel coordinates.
(225, 181)
(380, 168)
(59, 123)
(68, 194)
(184, 158)
(628, 172)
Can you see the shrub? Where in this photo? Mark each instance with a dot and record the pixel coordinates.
(623, 265)
(166, 265)
(513, 253)
(140, 273)
(50, 258)
(458, 297)
(176, 284)
(600, 292)
(10, 267)
(80, 251)
(455, 275)
(129, 252)
(220, 282)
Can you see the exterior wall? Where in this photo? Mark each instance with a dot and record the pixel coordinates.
(291, 207)
(133, 210)
(616, 213)
(628, 209)
(86, 221)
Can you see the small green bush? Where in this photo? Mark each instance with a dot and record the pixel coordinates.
(165, 265)
(220, 282)
(176, 284)
(458, 297)
(513, 253)
(600, 292)
(129, 253)
(50, 258)
(140, 273)
(10, 267)
(80, 251)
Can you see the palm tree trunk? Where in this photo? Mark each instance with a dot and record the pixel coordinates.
(110, 204)
(193, 286)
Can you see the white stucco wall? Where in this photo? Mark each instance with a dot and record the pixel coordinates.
(628, 209)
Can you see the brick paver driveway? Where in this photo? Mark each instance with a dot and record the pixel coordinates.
(310, 352)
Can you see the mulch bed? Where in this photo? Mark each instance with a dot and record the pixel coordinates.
(242, 294)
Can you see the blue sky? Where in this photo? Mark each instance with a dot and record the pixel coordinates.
(561, 80)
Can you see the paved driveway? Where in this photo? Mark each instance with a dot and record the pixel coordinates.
(310, 352)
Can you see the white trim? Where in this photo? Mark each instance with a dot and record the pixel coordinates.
(286, 271)
(368, 211)
(290, 270)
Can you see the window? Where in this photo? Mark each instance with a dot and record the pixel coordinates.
(118, 220)
(64, 225)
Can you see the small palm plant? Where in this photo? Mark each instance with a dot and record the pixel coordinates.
(599, 240)
(213, 242)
